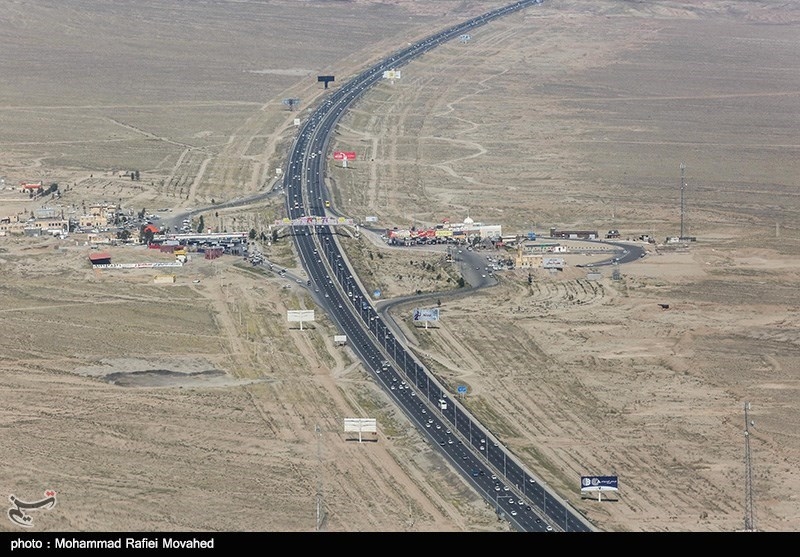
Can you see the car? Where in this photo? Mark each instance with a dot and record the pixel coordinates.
(497, 488)
(505, 488)
(549, 528)
(428, 425)
(449, 441)
(511, 501)
(448, 432)
(393, 387)
(494, 477)
(513, 512)
(424, 411)
(438, 426)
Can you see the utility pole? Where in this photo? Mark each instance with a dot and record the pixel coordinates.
(319, 479)
(683, 207)
(749, 513)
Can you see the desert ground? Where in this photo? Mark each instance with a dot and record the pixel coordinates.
(196, 406)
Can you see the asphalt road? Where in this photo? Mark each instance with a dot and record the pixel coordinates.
(516, 493)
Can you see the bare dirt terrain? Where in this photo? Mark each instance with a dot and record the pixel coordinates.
(150, 407)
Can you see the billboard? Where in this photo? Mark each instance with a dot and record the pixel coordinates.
(300, 315)
(599, 483)
(426, 314)
(314, 221)
(360, 426)
(369, 425)
(344, 155)
(553, 262)
(391, 74)
(371, 219)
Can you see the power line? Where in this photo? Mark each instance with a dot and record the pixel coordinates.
(749, 512)
(319, 511)
(683, 203)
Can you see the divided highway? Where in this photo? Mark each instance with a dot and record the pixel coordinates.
(516, 493)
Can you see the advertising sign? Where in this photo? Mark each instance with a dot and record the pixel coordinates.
(371, 219)
(300, 315)
(599, 483)
(360, 425)
(344, 155)
(314, 221)
(553, 262)
(426, 314)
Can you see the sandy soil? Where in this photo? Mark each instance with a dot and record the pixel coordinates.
(146, 406)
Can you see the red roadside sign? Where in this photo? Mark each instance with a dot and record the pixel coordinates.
(344, 155)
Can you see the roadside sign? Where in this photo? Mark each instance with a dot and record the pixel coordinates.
(462, 389)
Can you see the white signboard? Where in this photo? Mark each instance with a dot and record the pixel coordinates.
(340, 339)
(553, 263)
(392, 74)
(315, 221)
(371, 219)
(354, 425)
(300, 315)
(360, 425)
(297, 121)
(426, 314)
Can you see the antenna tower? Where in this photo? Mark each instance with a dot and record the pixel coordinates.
(683, 205)
(749, 513)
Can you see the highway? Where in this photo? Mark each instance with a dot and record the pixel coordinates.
(515, 493)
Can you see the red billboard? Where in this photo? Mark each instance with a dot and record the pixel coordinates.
(344, 155)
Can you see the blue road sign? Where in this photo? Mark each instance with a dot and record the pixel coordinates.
(377, 293)
(462, 389)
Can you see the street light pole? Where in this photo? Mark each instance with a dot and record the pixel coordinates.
(497, 502)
